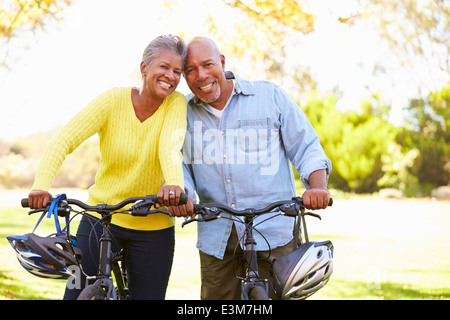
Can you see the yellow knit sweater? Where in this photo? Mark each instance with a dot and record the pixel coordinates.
(136, 158)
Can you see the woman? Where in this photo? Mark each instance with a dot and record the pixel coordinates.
(141, 132)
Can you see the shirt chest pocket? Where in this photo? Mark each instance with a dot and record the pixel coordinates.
(251, 135)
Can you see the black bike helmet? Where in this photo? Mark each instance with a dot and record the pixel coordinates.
(302, 272)
(51, 256)
(47, 257)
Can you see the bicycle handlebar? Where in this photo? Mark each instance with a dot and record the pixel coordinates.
(146, 201)
(212, 211)
(270, 207)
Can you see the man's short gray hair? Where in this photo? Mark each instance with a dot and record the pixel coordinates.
(166, 42)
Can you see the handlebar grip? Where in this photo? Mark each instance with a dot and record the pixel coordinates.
(183, 198)
(24, 203)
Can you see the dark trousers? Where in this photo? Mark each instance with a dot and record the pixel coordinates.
(149, 258)
(218, 275)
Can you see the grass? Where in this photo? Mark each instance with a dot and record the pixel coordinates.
(384, 249)
(380, 270)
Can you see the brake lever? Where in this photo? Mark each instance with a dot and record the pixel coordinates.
(189, 220)
(315, 215)
(37, 210)
(292, 210)
(205, 214)
(62, 211)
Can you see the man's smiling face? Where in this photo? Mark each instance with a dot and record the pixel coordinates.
(204, 72)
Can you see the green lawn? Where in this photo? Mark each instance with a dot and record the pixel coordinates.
(384, 249)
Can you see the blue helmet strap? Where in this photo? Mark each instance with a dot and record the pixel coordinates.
(53, 209)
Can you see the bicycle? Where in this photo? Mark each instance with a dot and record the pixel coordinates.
(253, 286)
(110, 282)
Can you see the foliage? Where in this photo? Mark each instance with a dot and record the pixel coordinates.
(27, 14)
(417, 34)
(266, 34)
(354, 142)
(21, 17)
(369, 153)
(428, 121)
(19, 162)
(272, 13)
(15, 171)
(260, 34)
(396, 165)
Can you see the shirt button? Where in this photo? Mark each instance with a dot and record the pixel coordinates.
(228, 231)
(233, 205)
(228, 180)
(224, 156)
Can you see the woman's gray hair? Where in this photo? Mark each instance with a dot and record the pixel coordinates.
(166, 42)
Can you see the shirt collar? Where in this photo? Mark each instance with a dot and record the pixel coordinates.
(241, 86)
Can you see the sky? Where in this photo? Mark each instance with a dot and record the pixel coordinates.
(99, 45)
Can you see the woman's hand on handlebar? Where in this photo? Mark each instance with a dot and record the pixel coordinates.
(169, 195)
(38, 199)
(184, 210)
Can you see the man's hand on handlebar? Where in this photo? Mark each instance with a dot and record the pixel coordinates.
(316, 198)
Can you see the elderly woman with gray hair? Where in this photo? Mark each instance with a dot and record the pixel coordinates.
(141, 132)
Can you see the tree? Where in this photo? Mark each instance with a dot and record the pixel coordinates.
(257, 33)
(20, 18)
(417, 33)
(354, 141)
(428, 122)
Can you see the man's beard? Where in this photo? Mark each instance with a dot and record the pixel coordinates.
(214, 98)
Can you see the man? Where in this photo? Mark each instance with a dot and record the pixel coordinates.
(242, 138)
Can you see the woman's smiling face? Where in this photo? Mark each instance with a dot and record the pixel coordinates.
(163, 74)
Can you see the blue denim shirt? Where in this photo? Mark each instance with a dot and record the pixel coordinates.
(244, 159)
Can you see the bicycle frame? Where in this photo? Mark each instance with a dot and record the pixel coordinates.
(119, 270)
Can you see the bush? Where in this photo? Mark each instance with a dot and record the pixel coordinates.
(441, 193)
(18, 167)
